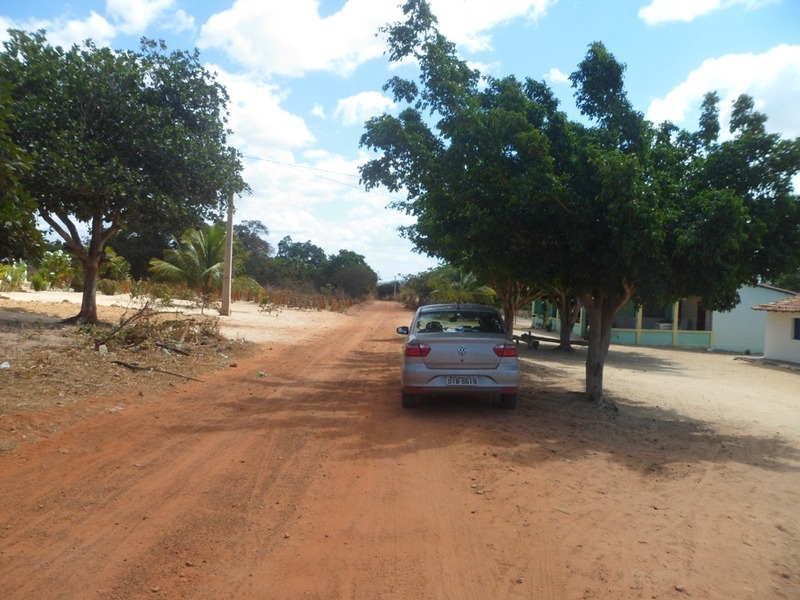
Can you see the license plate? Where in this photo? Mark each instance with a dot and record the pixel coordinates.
(454, 380)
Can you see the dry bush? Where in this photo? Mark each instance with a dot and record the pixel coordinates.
(52, 364)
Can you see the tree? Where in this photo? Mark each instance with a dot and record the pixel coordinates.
(251, 236)
(143, 235)
(475, 179)
(116, 138)
(349, 272)
(621, 210)
(300, 263)
(197, 260)
(19, 237)
(789, 281)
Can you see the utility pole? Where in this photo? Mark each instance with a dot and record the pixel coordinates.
(225, 310)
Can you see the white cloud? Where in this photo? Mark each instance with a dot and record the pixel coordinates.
(135, 17)
(321, 200)
(771, 78)
(355, 110)
(318, 111)
(125, 16)
(665, 11)
(74, 31)
(65, 33)
(556, 75)
(180, 21)
(261, 126)
(469, 22)
(291, 38)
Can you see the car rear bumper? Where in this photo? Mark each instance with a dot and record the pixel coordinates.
(418, 379)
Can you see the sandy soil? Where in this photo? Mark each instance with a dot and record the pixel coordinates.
(298, 475)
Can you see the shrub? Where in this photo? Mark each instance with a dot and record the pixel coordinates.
(246, 289)
(13, 276)
(163, 293)
(109, 287)
(56, 268)
(38, 282)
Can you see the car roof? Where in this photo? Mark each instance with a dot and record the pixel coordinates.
(454, 306)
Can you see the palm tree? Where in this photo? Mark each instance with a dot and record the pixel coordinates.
(196, 260)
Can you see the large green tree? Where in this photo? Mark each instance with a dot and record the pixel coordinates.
(251, 236)
(350, 274)
(19, 237)
(117, 137)
(471, 155)
(500, 181)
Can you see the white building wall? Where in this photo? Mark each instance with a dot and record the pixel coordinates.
(743, 328)
(778, 344)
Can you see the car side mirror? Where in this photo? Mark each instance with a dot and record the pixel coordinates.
(402, 330)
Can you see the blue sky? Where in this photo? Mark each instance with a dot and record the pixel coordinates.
(304, 76)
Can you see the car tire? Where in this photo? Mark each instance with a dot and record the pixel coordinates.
(508, 401)
(409, 400)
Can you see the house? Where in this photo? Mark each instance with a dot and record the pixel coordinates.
(687, 323)
(782, 334)
(742, 330)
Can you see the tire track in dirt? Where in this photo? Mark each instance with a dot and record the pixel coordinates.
(308, 481)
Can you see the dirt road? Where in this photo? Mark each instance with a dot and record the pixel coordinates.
(297, 475)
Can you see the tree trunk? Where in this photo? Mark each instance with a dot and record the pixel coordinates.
(600, 315)
(90, 257)
(91, 270)
(569, 308)
(508, 315)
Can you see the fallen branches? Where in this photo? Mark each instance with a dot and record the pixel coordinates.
(134, 367)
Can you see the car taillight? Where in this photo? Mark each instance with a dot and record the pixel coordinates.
(417, 349)
(505, 350)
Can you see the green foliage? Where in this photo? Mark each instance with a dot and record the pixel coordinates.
(56, 269)
(444, 284)
(246, 289)
(349, 273)
(114, 266)
(13, 276)
(789, 281)
(249, 236)
(118, 137)
(19, 236)
(38, 282)
(196, 260)
(505, 186)
(109, 287)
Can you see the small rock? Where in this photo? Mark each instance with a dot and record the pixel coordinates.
(103, 349)
(5, 365)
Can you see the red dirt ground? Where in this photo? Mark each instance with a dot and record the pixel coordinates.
(298, 475)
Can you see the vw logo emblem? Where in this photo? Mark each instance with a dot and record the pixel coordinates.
(462, 350)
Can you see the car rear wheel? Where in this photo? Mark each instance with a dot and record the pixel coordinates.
(409, 400)
(508, 401)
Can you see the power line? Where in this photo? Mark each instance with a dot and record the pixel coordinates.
(316, 170)
(296, 166)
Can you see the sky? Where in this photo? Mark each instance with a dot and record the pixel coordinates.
(304, 76)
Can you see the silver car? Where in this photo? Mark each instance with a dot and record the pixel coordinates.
(458, 349)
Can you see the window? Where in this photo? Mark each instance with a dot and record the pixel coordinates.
(796, 329)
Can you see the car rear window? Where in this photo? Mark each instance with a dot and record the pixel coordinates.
(459, 321)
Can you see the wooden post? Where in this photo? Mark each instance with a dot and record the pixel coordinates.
(225, 309)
